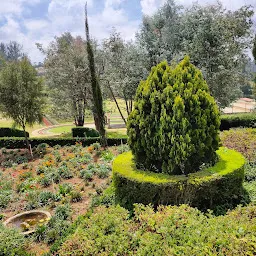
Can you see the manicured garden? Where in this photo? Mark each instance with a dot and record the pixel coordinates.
(179, 187)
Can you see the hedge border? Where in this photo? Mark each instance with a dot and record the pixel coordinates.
(11, 132)
(12, 143)
(229, 121)
(204, 189)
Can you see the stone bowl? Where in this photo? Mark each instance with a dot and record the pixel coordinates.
(27, 221)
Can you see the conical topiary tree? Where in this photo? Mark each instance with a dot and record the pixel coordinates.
(174, 127)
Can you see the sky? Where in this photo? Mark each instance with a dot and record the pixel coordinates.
(39, 21)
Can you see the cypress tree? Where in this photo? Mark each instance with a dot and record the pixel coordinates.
(174, 127)
(97, 95)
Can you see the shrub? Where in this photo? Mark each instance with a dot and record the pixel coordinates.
(5, 198)
(123, 148)
(84, 132)
(175, 123)
(87, 175)
(21, 160)
(63, 212)
(7, 164)
(65, 189)
(96, 146)
(219, 184)
(103, 171)
(107, 155)
(12, 243)
(10, 132)
(242, 140)
(47, 197)
(13, 143)
(171, 230)
(75, 196)
(45, 181)
(65, 172)
(237, 120)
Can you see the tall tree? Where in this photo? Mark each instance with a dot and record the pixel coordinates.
(21, 93)
(11, 51)
(124, 68)
(68, 77)
(160, 34)
(96, 90)
(217, 41)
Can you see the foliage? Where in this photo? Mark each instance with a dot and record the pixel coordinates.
(175, 122)
(75, 196)
(98, 111)
(242, 140)
(11, 51)
(12, 143)
(123, 68)
(21, 93)
(123, 148)
(84, 132)
(10, 132)
(211, 186)
(12, 243)
(171, 230)
(65, 172)
(215, 38)
(56, 227)
(68, 77)
(237, 120)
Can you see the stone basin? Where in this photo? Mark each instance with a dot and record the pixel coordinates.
(27, 221)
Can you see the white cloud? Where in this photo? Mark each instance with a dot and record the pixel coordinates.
(35, 25)
(68, 15)
(149, 7)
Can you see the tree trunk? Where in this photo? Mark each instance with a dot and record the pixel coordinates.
(113, 96)
(27, 141)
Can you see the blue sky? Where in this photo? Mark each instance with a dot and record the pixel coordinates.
(32, 21)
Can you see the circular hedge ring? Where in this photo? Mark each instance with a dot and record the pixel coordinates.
(203, 189)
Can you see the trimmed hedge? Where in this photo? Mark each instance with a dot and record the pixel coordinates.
(12, 143)
(10, 132)
(83, 132)
(237, 120)
(219, 184)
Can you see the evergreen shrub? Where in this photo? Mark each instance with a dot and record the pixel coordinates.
(219, 184)
(82, 132)
(174, 127)
(10, 132)
(237, 120)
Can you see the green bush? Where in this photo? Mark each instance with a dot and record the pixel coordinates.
(12, 143)
(12, 243)
(237, 120)
(82, 132)
(10, 132)
(171, 230)
(174, 127)
(211, 186)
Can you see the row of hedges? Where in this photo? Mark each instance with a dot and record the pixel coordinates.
(237, 120)
(10, 132)
(220, 184)
(84, 132)
(12, 143)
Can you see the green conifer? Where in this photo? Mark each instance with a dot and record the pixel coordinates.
(174, 127)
